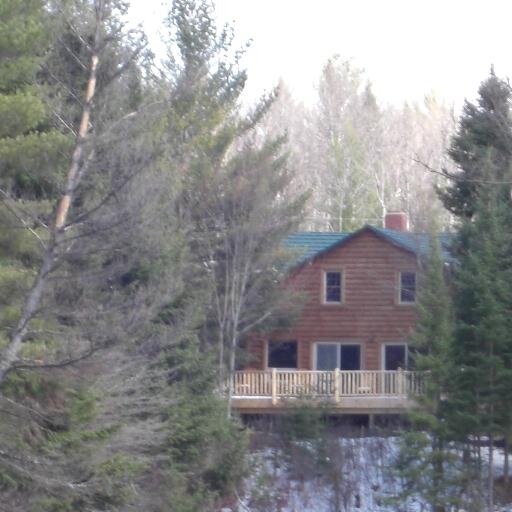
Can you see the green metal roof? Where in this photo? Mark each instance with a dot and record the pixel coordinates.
(310, 244)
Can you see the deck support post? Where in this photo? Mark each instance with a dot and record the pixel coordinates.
(274, 386)
(337, 385)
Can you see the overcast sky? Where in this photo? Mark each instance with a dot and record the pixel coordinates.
(407, 47)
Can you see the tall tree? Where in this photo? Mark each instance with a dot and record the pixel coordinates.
(74, 298)
(479, 194)
(426, 461)
(349, 149)
(32, 153)
(122, 303)
(481, 148)
(59, 235)
(482, 348)
(346, 110)
(234, 198)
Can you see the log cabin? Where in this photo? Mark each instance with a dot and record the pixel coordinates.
(349, 344)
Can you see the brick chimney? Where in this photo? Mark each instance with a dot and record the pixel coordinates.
(397, 221)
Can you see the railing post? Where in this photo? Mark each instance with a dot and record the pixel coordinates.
(274, 386)
(400, 383)
(336, 385)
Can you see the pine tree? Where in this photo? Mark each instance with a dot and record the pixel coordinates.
(233, 192)
(480, 396)
(426, 462)
(30, 148)
(123, 291)
(484, 135)
(32, 152)
(480, 195)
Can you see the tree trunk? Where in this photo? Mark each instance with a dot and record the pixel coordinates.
(490, 490)
(9, 355)
(437, 448)
(221, 358)
(231, 372)
(506, 470)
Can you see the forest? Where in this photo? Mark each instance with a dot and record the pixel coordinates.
(143, 208)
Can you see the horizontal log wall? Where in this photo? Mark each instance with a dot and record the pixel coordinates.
(370, 313)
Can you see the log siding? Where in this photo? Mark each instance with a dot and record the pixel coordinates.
(370, 312)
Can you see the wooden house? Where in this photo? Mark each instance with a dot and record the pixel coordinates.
(350, 342)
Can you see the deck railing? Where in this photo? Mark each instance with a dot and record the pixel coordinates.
(334, 384)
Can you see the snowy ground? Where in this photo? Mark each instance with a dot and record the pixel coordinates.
(357, 477)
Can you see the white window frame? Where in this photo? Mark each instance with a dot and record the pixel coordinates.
(399, 298)
(338, 352)
(394, 343)
(324, 286)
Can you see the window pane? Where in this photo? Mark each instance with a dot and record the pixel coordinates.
(407, 287)
(333, 287)
(394, 357)
(282, 354)
(326, 356)
(333, 278)
(350, 357)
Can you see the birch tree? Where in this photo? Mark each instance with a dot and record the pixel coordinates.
(359, 157)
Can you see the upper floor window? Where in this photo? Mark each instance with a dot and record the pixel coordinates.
(332, 287)
(407, 289)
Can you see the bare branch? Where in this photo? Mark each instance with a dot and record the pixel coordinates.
(57, 364)
(10, 353)
(7, 459)
(258, 321)
(125, 65)
(66, 125)
(112, 194)
(454, 177)
(31, 410)
(34, 219)
(69, 91)
(21, 219)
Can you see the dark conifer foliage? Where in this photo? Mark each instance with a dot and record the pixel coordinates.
(467, 354)
(479, 391)
(111, 384)
(483, 143)
(426, 461)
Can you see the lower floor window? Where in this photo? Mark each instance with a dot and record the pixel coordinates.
(345, 356)
(395, 356)
(282, 354)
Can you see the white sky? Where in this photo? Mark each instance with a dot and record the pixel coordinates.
(407, 47)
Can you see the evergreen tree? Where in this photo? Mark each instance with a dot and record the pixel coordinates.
(206, 451)
(426, 462)
(30, 147)
(32, 153)
(233, 202)
(480, 398)
(58, 277)
(484, 136)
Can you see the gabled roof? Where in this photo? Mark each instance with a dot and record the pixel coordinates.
(310, 244)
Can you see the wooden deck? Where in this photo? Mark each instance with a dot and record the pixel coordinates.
(345, 392)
